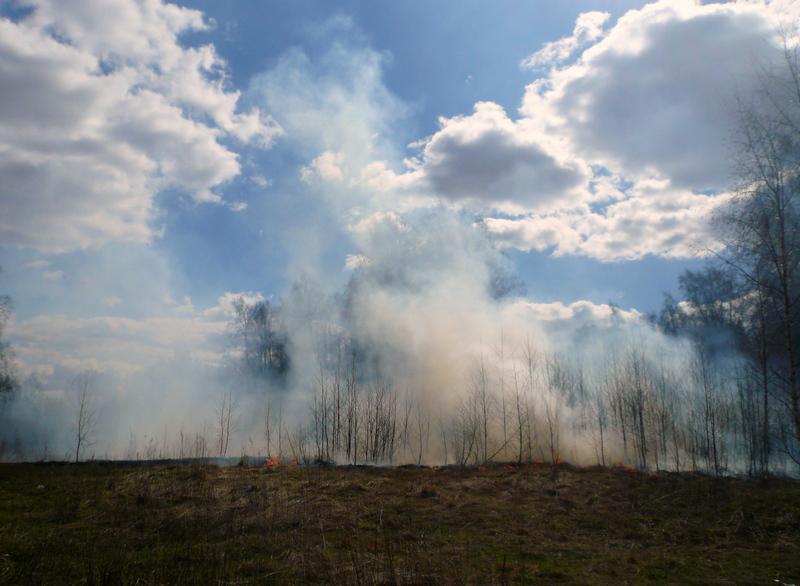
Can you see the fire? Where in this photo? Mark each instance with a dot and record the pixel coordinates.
(274, 462)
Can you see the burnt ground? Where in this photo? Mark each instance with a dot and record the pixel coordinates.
(504, 524)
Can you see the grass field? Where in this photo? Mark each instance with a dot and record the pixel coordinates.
(192, 524)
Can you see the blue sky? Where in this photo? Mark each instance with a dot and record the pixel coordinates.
(441, 58)
(162, 157)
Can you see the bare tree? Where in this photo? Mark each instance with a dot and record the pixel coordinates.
(268, 427)
(8, 379)
(224, 419)
(761, 227)
(557, 382)
(483, 402)
(84, 412)
(260, 333)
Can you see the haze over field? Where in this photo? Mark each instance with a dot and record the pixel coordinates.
(395, 233)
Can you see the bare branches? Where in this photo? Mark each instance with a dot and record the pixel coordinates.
(84, 412)
(224, 420)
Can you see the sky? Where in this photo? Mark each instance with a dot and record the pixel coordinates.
(158, 159)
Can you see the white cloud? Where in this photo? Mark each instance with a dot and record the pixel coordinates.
(656, 96)
(326, 167)
(355, 261)
(260, 181)
(381, 223)
(124, 345)
(111, 344)
(649, 106)
(378, 177)
(582, 312)
(100, 108)
(588, 28)
(653, 219)
(224, 309)
(540, 233)
(487, 157)
(144, 36)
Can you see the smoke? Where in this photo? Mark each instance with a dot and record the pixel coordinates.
(426, 303)
(425, 312)
(430, 353)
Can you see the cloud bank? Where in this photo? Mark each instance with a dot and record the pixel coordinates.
(102, 107)
(622, 146)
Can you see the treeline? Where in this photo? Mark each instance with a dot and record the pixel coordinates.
(730, 401)
(678, 392)
(659, 401)
(746, 299)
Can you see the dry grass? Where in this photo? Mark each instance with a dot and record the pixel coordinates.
(108, 524)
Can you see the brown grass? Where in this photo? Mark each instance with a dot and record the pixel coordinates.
(502, 524)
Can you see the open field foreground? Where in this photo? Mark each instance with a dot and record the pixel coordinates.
(111, 524)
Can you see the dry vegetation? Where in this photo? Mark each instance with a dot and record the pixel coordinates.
(112, 524)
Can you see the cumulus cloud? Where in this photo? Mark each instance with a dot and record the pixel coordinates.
(101, 107)
(629, 144)
(325, 167)
(488, 157)
(556, 232)
(588, 28)
(225, 307)
(377, 222)
(582, 312)
(677, 66)
(379, 177)
(621, 148)
(653, 219)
